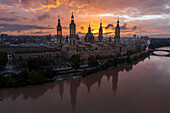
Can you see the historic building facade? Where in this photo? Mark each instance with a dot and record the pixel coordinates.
(72, 44)
(66, 47)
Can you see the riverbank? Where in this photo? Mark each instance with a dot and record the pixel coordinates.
(121, 61)
(121, 89)
(111, 63)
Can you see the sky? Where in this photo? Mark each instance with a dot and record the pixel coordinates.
(40, 17)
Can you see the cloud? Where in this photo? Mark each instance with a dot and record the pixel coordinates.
(82, 28)
(18, 27)
(151, 15)
(124, 27)
(8, 19)
(81, 33)
(65, 28)
(108, 33)
(14, 19)
(111, 26)
(134, 28)
(39, 32)
(43, 16)
(125, 31)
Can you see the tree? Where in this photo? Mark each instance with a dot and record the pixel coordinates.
(128, 59)
(22, 77)
(115, 60)
(75, 65)
(91, 58)
(75, 59)
(49, 73)
(36, 77)
(36, 63)
(3, 81)
(92, 62)
(110, 63)
(3, 60)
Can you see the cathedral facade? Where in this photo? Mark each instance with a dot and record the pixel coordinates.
(72, 45)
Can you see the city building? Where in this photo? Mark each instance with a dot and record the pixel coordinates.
(60, 48)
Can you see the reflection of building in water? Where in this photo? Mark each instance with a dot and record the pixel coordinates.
(114, 82)
(61, 89)
(89, 81)
(27, 92)
(74, 85)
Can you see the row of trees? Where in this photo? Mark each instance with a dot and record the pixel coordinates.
(114, 62)
(76, 61)
(35, 74)
(23, 78)
(93, 61)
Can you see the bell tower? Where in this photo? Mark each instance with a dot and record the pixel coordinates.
(100, 37)
(117, 38)
(59, 33)
(117, 33)
(72, 26)
(73, 36)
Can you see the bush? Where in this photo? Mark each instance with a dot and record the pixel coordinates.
(36, 77)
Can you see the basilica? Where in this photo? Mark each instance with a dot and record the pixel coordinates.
(60, 48)
(72, 45)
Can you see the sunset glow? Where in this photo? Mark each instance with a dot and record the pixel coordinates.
(147, 17)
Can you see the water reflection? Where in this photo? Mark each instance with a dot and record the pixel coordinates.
(161, 53)
(35, 92)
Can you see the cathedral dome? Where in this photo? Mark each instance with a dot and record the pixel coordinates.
(89, 37)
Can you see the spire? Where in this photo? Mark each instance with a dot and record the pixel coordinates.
(72, 15)
(100, 37)
(72, 18)
(100, 22)
(89, 29)
(118, 22)
(58, 20)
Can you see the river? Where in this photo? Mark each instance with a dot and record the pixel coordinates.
(139, 87)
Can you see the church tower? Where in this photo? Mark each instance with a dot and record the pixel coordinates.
(72, 26)
(117, 38)
(117, 33)
(59, 33)
(73, 36)
(100, 37)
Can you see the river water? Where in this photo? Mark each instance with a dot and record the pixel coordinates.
(140, 87)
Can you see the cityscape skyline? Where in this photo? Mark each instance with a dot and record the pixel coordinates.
(23, 17)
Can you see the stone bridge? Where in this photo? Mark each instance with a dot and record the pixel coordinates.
(153, 50)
